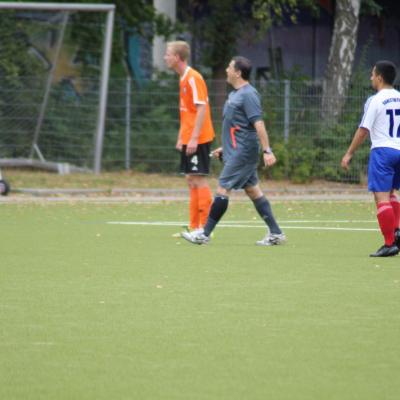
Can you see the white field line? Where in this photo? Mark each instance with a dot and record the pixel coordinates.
(257, 221)
(224, 225)
(306, 221)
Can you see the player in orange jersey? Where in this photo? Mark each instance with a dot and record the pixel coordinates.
(196, 131)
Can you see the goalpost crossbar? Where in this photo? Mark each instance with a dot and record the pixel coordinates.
(57, 6)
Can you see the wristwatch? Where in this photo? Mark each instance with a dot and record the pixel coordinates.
(268, 150)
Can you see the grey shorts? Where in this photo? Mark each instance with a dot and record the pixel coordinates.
(237, 174)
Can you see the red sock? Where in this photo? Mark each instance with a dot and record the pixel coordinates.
(394, 201)
(194, 221)
(205, 200)
(386, 221)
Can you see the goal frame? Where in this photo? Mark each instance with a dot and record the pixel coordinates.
(109, 9)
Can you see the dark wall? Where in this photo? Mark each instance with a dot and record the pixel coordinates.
(305, 46)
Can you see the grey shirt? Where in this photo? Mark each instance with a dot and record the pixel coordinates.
(239, 137)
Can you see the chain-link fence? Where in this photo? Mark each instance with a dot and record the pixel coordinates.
(66, 130)
(142, 125)
(50, 69)
(143, 122)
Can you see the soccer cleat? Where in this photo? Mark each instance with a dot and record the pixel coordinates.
(272, 239)
(196, 231)
(187, 229)
(386, 251)
(397, 237)
(196, 237)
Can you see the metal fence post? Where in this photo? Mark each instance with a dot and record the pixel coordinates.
(286, 120)
(128, 124)
(105, 74)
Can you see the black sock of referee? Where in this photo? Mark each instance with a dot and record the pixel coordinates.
(218, 208)
(263, 207)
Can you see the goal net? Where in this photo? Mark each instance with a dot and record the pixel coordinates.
(54, 66)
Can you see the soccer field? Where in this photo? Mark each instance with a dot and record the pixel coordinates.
(103, 302)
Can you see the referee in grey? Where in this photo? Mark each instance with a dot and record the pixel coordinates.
(243, 132)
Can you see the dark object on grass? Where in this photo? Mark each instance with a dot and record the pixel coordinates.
(4, 187)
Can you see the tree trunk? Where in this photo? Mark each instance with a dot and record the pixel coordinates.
(341, 58)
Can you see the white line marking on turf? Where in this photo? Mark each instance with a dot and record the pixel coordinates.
(329, 228)
(43, 343)
(223, 225)
(302, 221)
(259, 222)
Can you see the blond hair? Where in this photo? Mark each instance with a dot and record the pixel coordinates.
(180, 48)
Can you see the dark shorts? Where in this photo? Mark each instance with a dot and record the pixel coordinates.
(238, 174)
(384, 169)
(197, 163)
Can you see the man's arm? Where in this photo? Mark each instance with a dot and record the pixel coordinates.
(358, 139)
(178, 145)
(269, 158)
(198, 124)
(217, 153)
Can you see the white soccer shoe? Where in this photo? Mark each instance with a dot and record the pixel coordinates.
(272, 239)
(196, 231)
(196, 237)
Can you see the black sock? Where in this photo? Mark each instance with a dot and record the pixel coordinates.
(263, 207)
(218, 208)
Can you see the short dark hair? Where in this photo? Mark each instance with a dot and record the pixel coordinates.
(243, 65)
(387, 70)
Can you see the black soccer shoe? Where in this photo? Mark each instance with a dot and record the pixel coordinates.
(386, 251)
(397, 237)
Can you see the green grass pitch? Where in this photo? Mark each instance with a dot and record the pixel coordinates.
(93, 310)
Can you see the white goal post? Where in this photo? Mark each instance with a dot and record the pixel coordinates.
(105, 62)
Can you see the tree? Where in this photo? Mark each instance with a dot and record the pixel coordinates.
(343, 46)
(217, 25)
(341, 58)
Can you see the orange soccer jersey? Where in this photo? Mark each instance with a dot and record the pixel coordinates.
(193, 90)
